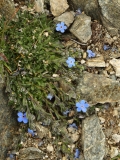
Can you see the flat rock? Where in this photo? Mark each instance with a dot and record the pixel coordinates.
(58, 7)
(30, 153)
(81, 28)
(67, 18)
(116, 65)
(96, 88)
(96, 62)
(93, 139)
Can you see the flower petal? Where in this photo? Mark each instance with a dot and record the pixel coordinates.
(78, 104)
(79, 109)
(25, 120)
(83, 109)
(62, 30)
(62, 23)
(20, 114)
(20, 119)
(86, 105)
(57, 28)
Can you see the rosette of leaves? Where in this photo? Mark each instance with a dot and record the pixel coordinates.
(33, 51)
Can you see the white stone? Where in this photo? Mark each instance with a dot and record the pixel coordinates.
(113, 152)
(116, 138)
(102, 120)
(82, 61)
(58, 7)
(50, 148)
(116, 65)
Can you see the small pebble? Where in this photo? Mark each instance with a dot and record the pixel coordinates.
(82, 61)
(84, 55)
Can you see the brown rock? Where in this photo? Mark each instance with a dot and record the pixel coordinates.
(58, 7)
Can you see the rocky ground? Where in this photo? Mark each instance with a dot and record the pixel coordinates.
(98, 135)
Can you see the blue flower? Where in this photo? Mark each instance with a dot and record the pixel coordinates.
(77, 153)
(61, 27)
(12, 156)
(106, 47)
(82, 106)
(49, 96)
(31, 132)
(22, 117)
(78, 12)
(66, 112)
(70, 62)
(90, 54)
(73, 125)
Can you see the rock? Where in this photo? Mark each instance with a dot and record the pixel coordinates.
(74, 137)
(58, 7)
(101, 10)
(67, 18)
(30, 153)
(113, 152)
(93, 139)
(116, 65)
(116, 138)
(41, 131)
(96, 62)
(102, 120)
(50, 148)
(8, 122)
(39, 6)
(109, 13)
(97, 89)
(7, 9)
(81, 28)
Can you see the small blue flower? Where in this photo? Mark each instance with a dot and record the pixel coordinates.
(22, 117)
(12, 156)
(70, 62)
(90, 54)
(82, 106)
(73, 125)
(31, 132)
(66, 112)
(77, 153)
(106, 47)
(49, 96)
(78, 12)
(61, 27)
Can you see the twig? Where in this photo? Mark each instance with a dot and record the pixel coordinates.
(83, 44)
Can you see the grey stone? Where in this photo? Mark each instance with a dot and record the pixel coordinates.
(110, 10)
(58, 7)
(96, 88)
(41, 130)
(105, 11)
(30, 153)
(81, 28)
(7, 120)
(67, 18)
(93, 139)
